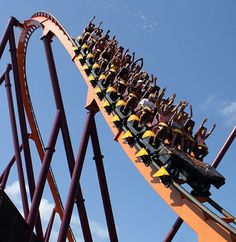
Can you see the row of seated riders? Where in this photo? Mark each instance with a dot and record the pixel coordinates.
(116, 68)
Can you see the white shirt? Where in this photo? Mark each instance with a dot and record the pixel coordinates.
(147, 103)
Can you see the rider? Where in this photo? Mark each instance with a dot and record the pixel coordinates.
(148, 106)
(164, 113)
(201, 150)
(177, 126)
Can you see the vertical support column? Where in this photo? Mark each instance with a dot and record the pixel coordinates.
(7, 171)
(12, 21)
(174, 230)
(74, 186)
(43, 173)
(79, 201)
(49, 228)
(23, 127)
(2, 78)
(103, 184)
(224, 148)
(65, 134)
(16, 144)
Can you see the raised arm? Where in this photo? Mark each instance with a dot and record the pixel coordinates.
(126, 52)
(171, 99)
(159, 98)
(184, 104)
(92, 19)
(210, 132)
(175, 109)
(190, 112)
(201, 125)
(141, 61)
(99, 25)
(161, 94)
(154, 80)
(133, 56)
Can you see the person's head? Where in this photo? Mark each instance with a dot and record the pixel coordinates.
(91, 25)
(137, 67)
(116, 61)
(98, 31)
(152, 97)
(184, 115)
(128, 58)
(139, 83)
(189, 126)
(203, 131)
(165, 109)
(121, 49)
(145, 75)
(106, 37)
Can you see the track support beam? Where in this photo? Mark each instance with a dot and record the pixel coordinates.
(103, 184)
(47, 39)
(75, 178)
(16, 143)
(43, 173)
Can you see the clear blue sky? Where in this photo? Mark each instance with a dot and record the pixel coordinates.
(189, 45)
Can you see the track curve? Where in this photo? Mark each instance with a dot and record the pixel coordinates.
(205, 223)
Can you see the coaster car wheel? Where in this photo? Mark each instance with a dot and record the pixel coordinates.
(166, 181)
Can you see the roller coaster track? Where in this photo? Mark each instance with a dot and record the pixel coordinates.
(206, 223)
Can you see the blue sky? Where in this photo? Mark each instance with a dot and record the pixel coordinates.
(189, 45)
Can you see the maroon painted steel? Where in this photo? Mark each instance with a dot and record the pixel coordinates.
(23, 127)
(43, 173)
(79, 200)
(98, 157)
(12, 22)
(49, 228)
(173, 230)
(224, 148)
(8, 69)
(66, 136)
(75, 178)
(16, 145)
(2, 78)
(7, 171)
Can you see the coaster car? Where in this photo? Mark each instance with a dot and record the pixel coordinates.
(199, 175)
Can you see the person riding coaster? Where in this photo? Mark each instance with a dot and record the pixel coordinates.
(177, 126)
(121, 87)
(90, 39)
(121, 79)
(164, 113)
(98, 48)
(86, 33)
(189, 141)
(201, 150)
(93, 39)
(177, 123)
(106, 56)
(136, 89)
(147, 109)
(113, 67)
